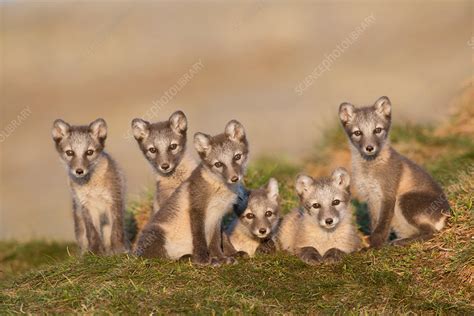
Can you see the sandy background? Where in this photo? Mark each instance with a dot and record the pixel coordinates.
(79, 60)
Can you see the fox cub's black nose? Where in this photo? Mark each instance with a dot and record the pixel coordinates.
(262, 231)
(234, 179)
(369, 148)
(79, 171)
(165, 166)
(329, 221)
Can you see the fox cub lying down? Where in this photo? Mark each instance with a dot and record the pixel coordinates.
(323, 227)
(253, 229)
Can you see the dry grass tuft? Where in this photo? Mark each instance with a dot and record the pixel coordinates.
(140, 210)
(462, 108)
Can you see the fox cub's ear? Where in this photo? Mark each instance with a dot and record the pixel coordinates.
(383, 107)
(341, 178)
(272, 190)
(178, 122)
(346, 113)
(303, 184)
(98, 129)
(140, 128)
(60, 130)
(202, 143)
(235, 131)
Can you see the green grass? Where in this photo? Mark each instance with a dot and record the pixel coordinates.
(442, 169)
(16, 258)
(435, 277)
(371, 281)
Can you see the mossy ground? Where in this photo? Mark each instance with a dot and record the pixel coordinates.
(435, 277)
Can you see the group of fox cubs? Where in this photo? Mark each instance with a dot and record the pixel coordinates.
(192, 198)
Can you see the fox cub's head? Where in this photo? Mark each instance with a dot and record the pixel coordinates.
(367, 127)
(162, 143)
(225, 155)
(80, 146)
(262, 214)
(326, 199)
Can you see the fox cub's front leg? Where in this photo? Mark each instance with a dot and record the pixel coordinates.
(215, 248)
(80, 230)
(200, 250)
(94, 240)
(381, 229)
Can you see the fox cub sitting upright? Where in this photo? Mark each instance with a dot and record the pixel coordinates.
(401, 196)
(164, 146)
(253, 229)
(189, 223)
(96, 185)
(323, 227)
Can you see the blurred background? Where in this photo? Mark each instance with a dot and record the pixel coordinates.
(215, 60)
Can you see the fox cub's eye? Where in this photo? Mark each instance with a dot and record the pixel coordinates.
(237, 157)
(152, 150)
(218, 164)
(336, 202)
(250, 216)
(316, 205)
(90, 152)
(378, 130)
(268, 213)
(357, 133)
(173, 146)
(69, 153)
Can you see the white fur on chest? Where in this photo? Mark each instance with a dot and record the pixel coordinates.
(368, 189)
(167, 185)
(241, 241)
(98, 201)
(344, 237)
(365, 183)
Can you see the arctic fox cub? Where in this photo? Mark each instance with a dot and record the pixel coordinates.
(96, 184)
(253, 230)
(401, 195)
(323, 227)
(164, 146)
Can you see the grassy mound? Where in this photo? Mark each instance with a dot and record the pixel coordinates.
(436, 276)
(16, 258)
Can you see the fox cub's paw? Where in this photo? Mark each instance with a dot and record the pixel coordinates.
(333, 255)
(215, 261)
(266, 247)
(309, 255)
(201, 260)
(376, 241)
(241, 254)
